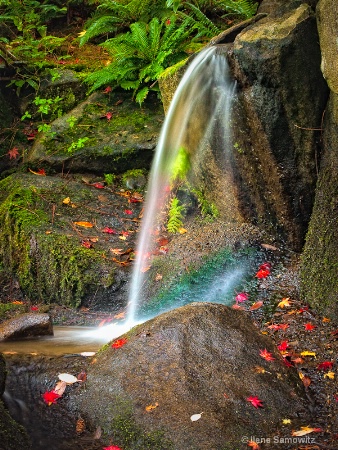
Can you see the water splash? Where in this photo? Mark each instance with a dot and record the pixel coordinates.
(199, 115)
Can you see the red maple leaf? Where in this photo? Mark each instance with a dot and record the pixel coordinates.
(128, 211)
(278, 326)
(98, 185)
(262, 273)
(107, 90)
(265, 266)
(108, 230)
(50, 397)
(86, 244)
(112, 447)
(255, 401)
(325, 365)
(283, 346)
(241, 297)
(109, 115)
(13, 153)
(34, 308)
(266, 355)
(253, 445)
(119, 343)
(309, 326)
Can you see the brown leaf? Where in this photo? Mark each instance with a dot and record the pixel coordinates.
(82, 376)
(98, 433)
(256, 305)
(60, 387)
(80, 426)
(151, 407)
(305, 379)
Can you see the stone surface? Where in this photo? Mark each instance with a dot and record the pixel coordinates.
(281, 99)
(328, 37)
(29, 324)
(319, 282)
(200, 358)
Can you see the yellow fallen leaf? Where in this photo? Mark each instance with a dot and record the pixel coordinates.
(48, 232)
(66, 201)
(307, 353)
(123, 238)
(121, 315)
(305, 430)
(329, 375)
(286, 421)
(82, 33)
(326, 320)
(285, 302)
(151, 407)
(182, 230)
(84, 224)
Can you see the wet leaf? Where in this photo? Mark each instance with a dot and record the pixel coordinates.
(305, 379)
(108, 88)
(98, 185)
(82, 376)
(236, 306)
(80, 426)
(50, 397)
(241, 297)
(284, 303)
(109, 230)
(112, 447)
(253, 445)
(98, 433)
(306, 430)
(67, 378)
(119, 343)
(278, 326)
(182, 230)
(255, 401)
(86, 244)
(262, 273)
(309, 326)
(60, 387)
(286, 421)
(151, 407)
(307, 353)
(256, 305)
(109, 115)
(195, 417)
(128, 211)
(283, 346)
(120, 315)
(269, 247)
(326, 320)
(66, 201)
(330, 375)
(13, 153)
(84, 224)
(39, 172)
(325, 365)
(266, 355)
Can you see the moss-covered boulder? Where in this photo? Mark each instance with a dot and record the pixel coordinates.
(66, 240)
(319, 281)
(107, 133)
(197, 359)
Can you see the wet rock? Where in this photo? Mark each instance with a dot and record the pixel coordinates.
(198, 359)
(277, 117)
(30, 324)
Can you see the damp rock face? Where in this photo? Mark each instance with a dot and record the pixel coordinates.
(30, 324)
(197, 359)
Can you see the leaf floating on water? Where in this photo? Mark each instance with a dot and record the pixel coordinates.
(67, 378)
(84, 224)
(195, 417)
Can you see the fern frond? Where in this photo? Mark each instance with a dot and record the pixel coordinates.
(142, 95)
(104, 25)
(203, 24)
(243, 8)
(175, 216)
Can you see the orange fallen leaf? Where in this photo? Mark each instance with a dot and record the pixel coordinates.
(256, 305)
(306, 430)
(151, 407)
(39, 172)
(284, 303)
(253, 445)
(305, 379)
(84, 224)
(145, 269)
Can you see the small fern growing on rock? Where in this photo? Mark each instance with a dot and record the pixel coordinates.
(175, 216)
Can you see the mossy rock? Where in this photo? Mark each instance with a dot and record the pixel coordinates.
(103, 134)
(54, 258)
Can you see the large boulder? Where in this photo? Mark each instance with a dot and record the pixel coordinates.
(203, 359)
(281, 99)
(29, 324)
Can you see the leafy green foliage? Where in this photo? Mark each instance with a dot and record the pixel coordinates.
(208, 209)
(175, 216)
(139, 56)
(181, 166)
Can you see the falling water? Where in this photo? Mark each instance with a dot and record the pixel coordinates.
(206, 90)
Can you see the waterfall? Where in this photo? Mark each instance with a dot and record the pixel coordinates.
(198, 115)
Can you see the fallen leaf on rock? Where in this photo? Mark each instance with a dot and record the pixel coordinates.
(128, 211)
(87, 354)
(256, 305)
(117, 251)
(325, 365)
(266, 355)
(151, 407)
(119, 343)
(109, 230)
(86, 244)
(241, 297)
(60, 387)
(326, 320)
(286, 421)
(182, 230)
(13, 153)
(278, 326)
(39, 172)
(269, 247)
(82, 377)
(330, 375)
(50, 397)
(98, 433)
(80, 426)
(236, 306)
(67, 378)
(112, 447)
(17, 302)
(309, 326)
(120, 315)
(283, 346)
(305, 379)
(145, 269)
(262, 273)
(253, 445)
(84, 224)
(284, 302)
(306, 430)
(195, 417)
(259, 369)
(255, 401)
(307, 353)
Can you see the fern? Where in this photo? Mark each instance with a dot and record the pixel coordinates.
(242, 8)
(175, 216)
(204, 26)
(207, 208)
